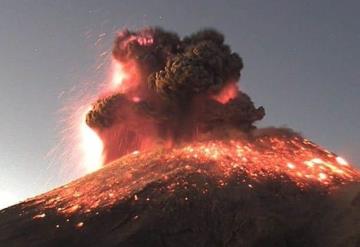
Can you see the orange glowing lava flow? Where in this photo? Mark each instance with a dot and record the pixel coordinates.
(300, 160)
(248, 162)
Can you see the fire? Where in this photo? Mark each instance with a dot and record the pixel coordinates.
(92, 147)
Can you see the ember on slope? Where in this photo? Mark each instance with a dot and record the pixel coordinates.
(250, 161)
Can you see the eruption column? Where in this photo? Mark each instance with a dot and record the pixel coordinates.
(166, 89)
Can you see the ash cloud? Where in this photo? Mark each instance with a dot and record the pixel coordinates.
(177, 88)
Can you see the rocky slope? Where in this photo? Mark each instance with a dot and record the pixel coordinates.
(202, 194)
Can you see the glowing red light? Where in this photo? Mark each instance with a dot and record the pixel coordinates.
(229, 92)
(92, 147)
(118, 74)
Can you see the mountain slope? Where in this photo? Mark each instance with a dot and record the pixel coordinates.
(213, 193)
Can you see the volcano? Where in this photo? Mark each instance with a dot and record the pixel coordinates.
(183, 163)
(269, 189)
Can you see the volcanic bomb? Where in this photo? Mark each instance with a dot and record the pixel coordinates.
(186, 166)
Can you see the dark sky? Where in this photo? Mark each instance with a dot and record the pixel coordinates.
(302, 61)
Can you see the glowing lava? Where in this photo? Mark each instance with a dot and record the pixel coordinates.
(249, 162)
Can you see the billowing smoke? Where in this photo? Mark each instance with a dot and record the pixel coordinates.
(175, 89)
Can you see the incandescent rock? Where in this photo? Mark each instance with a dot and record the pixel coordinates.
(211, 193)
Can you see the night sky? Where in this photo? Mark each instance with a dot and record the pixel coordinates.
(301, 58)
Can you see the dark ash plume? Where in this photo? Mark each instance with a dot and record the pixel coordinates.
(183, 88)
(205, 65)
